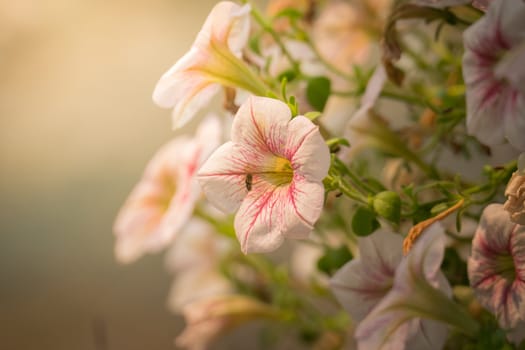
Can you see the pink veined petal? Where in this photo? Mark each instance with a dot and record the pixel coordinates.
(363, 282)
(269, 212)
(196, 98)
(500, 291)
(303, 206)
(227, 23)
(306, 149)
(261, 124)
(259, 223)
(174, 82)
(223, 177)
(132, 226)
(511, 67)
(384, 330)
(429, 335)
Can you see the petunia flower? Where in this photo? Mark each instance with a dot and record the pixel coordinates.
(414, 313)
(163, 200)
(208, 318)
(364, 281)
(496, 267)
(213, 60)
(493, 71)
(271, 172)
(194, 261)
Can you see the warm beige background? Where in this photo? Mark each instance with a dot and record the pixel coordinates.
(77, 126)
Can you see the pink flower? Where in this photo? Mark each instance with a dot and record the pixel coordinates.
(381, 291)
(163, 200)
(414, 313)
(496, 267)
(494, 74)
(271, 172)
(363, 282)
(212, 61)
(194, 261)
(208, 318)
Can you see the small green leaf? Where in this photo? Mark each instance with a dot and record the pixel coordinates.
(438, 208)
(254, 44)
(289, 74)
(317, 92)
(333, 259)
(289, 12)
(388, 205)
(312, 115)
(364, 222)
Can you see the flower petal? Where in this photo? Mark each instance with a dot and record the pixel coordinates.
(495, 268)
(306, 149)
(223, 177)
(363, 282)
(261, 124)
(227, 23)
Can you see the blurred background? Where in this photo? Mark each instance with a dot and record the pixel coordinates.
(77, 127)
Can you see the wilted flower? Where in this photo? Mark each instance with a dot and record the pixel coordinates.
(212, 61)
(208, 318)
(496, 267)
(271, 171)
(194, 261)
(515, 193)
(163, 200)
(418, 303)
(494, 73)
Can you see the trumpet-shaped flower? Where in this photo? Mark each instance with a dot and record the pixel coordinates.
(163, 200)
(496, 267)
(515, 193)
(494, 74)
(271, 171)
(194, 260)
(208, 318)
(212, 61)
(412, 313)
(363, 282)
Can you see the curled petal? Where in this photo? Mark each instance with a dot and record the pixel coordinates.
(227, 23)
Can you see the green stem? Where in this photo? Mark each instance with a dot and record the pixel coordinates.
(259, 18)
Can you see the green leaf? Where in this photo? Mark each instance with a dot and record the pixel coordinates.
(333, 259)
(364, 222)
(317, 92)
(312, 115)
(290, 12)
(289, 74)
(388, 205)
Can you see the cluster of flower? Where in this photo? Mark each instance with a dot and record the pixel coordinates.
(301, 161)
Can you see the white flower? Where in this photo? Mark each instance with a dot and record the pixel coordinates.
(163, 200)
(496, 267)
(494, 75)
(418, 303)
(271, 172)
(194, 261)
(212, 61)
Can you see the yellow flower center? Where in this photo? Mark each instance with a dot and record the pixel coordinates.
(281, 171)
